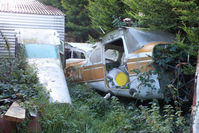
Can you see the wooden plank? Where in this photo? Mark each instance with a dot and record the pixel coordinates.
(15, 113)
(7, 126)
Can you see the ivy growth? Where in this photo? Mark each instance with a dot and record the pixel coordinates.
(18, 82)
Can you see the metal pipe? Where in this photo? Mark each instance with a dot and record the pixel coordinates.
(194, 111)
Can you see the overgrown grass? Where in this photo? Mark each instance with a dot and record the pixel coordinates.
(91, 113)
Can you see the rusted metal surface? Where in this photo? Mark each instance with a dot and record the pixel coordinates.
(7, 126)
(74, 62)
(28, 7)
(34, 126)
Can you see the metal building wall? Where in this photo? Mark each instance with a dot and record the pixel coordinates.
(11, 21)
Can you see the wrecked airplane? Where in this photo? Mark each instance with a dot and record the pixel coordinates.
(109, 68)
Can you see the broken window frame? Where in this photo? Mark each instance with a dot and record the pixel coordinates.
(94, 54)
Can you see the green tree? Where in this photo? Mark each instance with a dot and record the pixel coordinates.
(155, 14)
(55, 3)
(103, 13)
(181, 17)
(176, 16)
(78, 23)
(189, 18)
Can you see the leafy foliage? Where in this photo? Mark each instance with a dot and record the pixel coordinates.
(117, 22)
(145, 78)
(55, 3)
(92, 113)
(176, 16)
(156, 14)
(103, 12)
(169, 54)
(175, 63)
(77, 20)
(175, 74)
(18, 82)
(78, 24)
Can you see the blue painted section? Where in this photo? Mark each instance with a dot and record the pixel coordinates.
(41, 51)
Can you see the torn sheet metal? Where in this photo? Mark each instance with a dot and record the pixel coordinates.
(86, 47)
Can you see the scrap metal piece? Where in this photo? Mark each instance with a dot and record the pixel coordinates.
(195, 105)
(107, 96)
(15, 113)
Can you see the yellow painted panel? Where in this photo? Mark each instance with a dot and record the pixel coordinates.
(93, 74)
(142, 66)
(149, 47)
(94, 66)
(78, 63)
(88, 73)
(139, 59)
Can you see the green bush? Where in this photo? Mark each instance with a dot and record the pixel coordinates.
(91, 113)
(18, 82)
(176, 16)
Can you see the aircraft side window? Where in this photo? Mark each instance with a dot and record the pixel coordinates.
(96, 56)
(112, 54)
